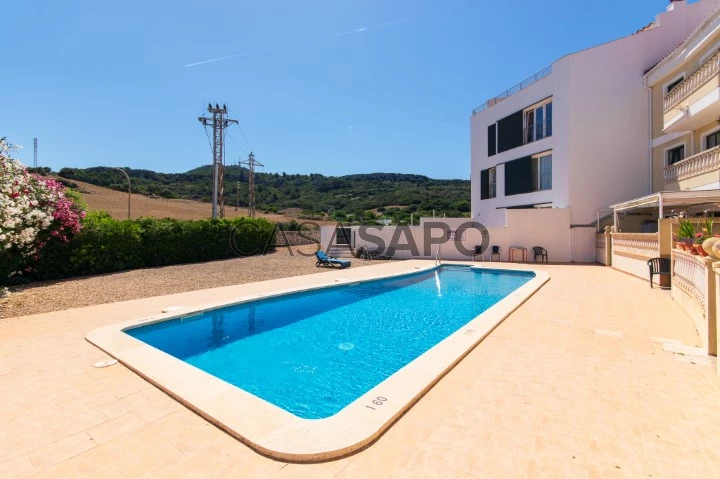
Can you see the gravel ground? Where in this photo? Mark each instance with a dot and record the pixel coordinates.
(44, 297)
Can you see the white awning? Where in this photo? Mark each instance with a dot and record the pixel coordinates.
(672, 199)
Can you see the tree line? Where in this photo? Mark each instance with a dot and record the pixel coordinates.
(350, 198)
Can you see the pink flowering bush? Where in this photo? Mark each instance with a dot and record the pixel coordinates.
(33, 212)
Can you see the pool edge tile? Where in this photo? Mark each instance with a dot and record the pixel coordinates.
(275, 432)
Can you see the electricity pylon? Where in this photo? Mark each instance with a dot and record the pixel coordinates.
(219, 123)
(252, 163)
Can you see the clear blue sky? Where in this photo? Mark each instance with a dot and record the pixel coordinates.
(332, 86)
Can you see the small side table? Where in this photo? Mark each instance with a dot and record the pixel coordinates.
(516, 249)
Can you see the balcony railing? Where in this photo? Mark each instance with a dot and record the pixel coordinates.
(520, 86)
(537, 132)
(642, 244)
(689, 275)
(697, 79)
(703, 162)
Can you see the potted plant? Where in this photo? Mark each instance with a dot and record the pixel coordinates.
(679, 244)
(708, 239)
(686, 235)
(699, 240)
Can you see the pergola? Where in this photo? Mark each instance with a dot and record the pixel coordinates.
(671, 203)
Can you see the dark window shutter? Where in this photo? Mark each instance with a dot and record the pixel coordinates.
(484, 184)
(510, 132)
(518, 176)
(492, 144)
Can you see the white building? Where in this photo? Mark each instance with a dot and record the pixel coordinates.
(576, 134)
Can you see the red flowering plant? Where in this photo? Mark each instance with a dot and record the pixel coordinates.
(34, 211)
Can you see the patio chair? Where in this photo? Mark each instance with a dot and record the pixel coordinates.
(478, 251)
(494, 251)
(325, 260)
(379, 255)
(364, 253)
(659, 266)
(542, 252)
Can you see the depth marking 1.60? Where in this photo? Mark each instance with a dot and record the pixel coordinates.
(378, 401)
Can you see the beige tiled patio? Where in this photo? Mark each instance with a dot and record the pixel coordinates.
(573, 384)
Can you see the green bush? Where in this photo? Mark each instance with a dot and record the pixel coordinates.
(105, 245)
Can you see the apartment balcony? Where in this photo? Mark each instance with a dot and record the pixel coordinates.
(696, 101)
(696, 171)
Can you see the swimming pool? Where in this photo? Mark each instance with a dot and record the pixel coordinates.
(315, 367)
(313, 353)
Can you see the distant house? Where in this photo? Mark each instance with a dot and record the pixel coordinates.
(575, 135)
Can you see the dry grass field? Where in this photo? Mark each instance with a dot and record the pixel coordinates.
(115, 203)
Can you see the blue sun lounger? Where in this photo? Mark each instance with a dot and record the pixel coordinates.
(325, 260)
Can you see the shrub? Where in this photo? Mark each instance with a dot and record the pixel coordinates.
(35, 212)
(106, 245)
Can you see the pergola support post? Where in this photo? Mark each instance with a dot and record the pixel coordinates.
(615, 222)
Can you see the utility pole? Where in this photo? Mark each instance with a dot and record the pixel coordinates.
(219, 123)
(35, 153)
(237, 197)
(251, 162)
(128, 180)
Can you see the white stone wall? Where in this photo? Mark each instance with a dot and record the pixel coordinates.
(549, 228)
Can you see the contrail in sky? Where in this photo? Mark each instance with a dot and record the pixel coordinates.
(349, 32)
(365, 29)
(218, 59)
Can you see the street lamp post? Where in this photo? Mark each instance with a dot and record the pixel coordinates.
(128, 179)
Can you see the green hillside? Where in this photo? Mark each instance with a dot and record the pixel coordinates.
(343, 198)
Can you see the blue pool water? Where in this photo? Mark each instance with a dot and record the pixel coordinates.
(313, 353)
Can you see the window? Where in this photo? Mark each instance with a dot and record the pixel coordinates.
(674, 83)
(712, 140)
(510, 131)
(492, 183)
(542, 172)
(673, 155)
(538, 122)
(528, 174)
(487, 184)
(492, 139)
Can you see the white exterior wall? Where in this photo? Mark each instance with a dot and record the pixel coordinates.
(601, 124)
(549, 228)
(486, 211)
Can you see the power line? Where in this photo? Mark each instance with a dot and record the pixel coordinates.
(235, 141)
(242, 132)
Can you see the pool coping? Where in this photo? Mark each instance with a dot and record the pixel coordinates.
(278, 434)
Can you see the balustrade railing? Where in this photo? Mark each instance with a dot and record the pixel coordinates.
(703, 162)
(643, 244)
(697, 79)
(690, 275)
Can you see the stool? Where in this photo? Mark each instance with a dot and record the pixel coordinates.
(518, 249)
